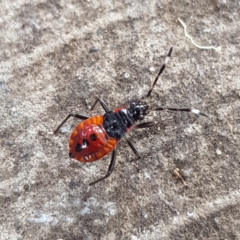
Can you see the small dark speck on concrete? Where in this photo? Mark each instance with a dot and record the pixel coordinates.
(72, 184)
(93, 49)
(26, 187)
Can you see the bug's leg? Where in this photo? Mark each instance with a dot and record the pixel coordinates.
(79, 116)
(160, 71)
(110, 168)
(134, 150)
(144, 125)
(131, 145)
(103, 104)
(192, 110)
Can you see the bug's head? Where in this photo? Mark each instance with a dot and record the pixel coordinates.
(138, 109)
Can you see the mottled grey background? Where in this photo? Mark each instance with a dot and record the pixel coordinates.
(47, 71)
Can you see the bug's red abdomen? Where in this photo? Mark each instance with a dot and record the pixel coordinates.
(89, 140)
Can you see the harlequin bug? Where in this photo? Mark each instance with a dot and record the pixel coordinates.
(97, 136)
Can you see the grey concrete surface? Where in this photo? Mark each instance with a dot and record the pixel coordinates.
(47, 71)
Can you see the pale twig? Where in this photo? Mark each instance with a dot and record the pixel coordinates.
(193, 42)
(176, 172)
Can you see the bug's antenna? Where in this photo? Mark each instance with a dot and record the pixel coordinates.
(160, 71)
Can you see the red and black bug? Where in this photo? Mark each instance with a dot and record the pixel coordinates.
(97, 136)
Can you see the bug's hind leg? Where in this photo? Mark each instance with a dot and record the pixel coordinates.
(79, 116)
(110, 168)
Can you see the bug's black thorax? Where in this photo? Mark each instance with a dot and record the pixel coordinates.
(117, 123)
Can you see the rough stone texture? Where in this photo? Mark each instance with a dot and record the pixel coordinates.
(50, 67)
